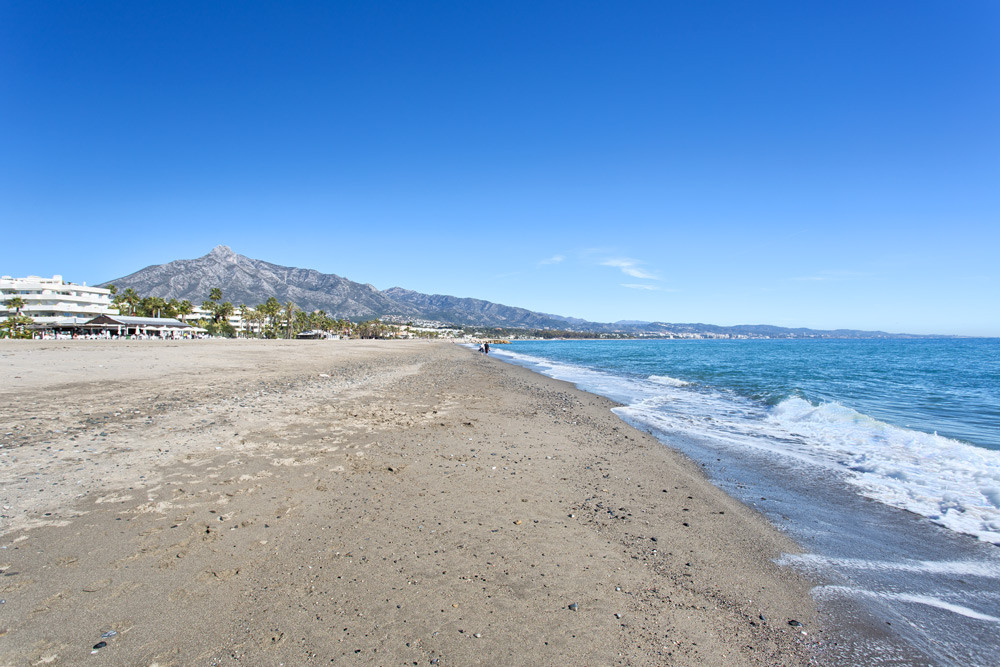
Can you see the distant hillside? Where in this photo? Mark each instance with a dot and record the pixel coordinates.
(253, 281)
(475, 312)
(762, 331)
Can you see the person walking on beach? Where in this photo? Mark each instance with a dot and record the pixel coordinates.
(482, 350)
(486, 348)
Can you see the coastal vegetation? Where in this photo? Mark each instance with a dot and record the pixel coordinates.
(16, 326)
(271, 319)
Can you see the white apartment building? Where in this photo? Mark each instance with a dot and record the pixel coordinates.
(53, 302)
(235, 320)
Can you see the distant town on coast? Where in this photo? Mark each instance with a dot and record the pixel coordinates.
(230, 295)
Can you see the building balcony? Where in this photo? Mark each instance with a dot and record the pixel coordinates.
(55, 297)
(63, 307)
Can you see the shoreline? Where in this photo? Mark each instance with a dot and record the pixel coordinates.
(383, 502)
(893, 587)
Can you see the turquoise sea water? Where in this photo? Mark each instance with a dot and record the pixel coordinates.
(951, 387)
(880, 457)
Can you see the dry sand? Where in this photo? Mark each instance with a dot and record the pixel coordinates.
(307, 502)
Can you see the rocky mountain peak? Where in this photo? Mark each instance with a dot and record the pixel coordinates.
(223, 252)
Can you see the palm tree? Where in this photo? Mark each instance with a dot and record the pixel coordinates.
(156, 306)
(302, 321)
(212, 302)
(244, 312)
(184, 308)
(223, 312)
(14, 326)
(15, 303)
(270, 310)
(319, 320)
(132, 299)
(170, 310)
(289, 314)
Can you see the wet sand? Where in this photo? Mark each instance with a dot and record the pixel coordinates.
(361, 502)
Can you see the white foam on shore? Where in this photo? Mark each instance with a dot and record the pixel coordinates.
(667, 380)
(950, 482)
(961, 568)
(927, 600)
(954, 484)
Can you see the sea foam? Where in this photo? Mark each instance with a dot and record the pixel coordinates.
(667, 380)
(949, 482)
(927, 600)
(953, 484)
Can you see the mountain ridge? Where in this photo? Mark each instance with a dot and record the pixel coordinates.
(252, 281)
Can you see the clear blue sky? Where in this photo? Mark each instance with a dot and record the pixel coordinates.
(793, 163)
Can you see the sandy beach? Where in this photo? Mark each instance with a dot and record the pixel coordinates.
(361, 502)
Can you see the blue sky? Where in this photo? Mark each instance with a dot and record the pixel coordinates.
(794, 163)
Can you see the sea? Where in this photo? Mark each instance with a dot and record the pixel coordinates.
(879, 457)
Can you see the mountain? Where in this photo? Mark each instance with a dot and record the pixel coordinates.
(253, 281)
(476, 312)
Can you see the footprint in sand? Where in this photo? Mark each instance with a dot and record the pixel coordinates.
(219, 575)
(95, 586)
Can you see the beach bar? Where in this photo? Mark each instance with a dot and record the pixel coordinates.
(121, 325)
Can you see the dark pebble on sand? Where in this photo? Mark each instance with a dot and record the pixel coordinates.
(100, 645)
(574, 607)
(795, 624)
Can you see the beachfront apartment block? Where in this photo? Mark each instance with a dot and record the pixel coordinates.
(54, 302)
(235, 320)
